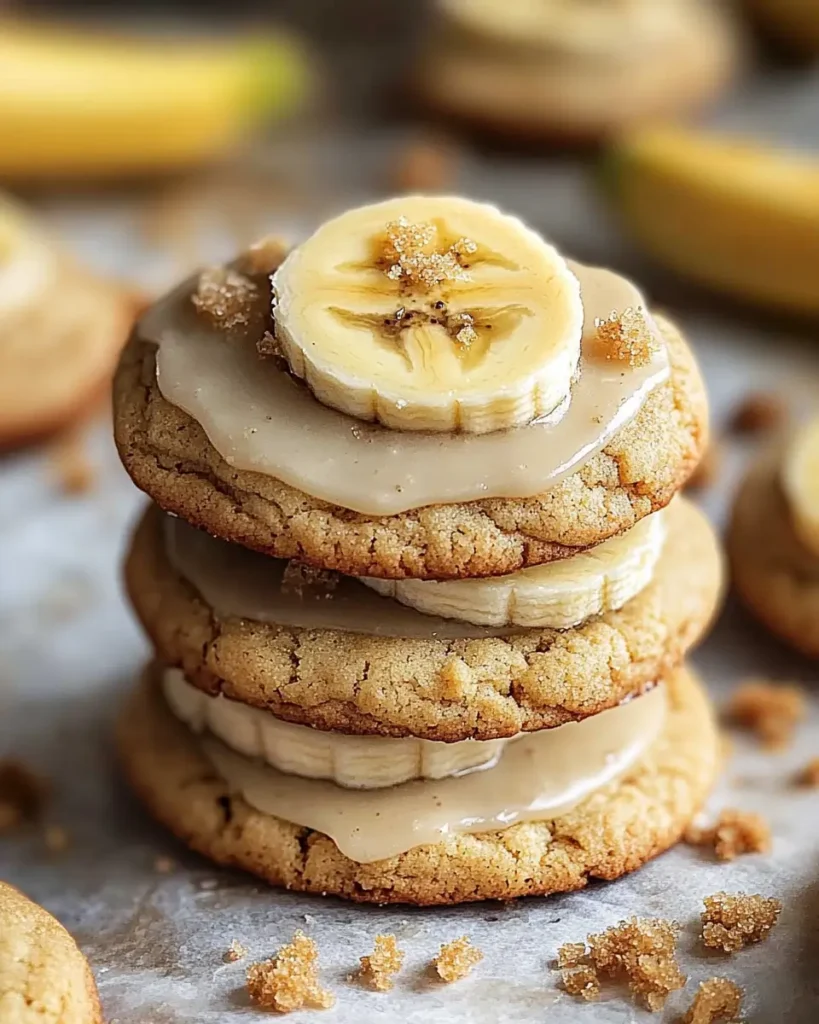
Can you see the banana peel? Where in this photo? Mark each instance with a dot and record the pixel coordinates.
(87, 105)
(738, 216)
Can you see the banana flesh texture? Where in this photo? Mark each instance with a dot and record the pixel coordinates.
(356, 762)
(558, 595)
(800, 478)
(734, 215)
(436, 314)
(27, 260)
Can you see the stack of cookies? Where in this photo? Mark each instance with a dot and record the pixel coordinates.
(421, 603)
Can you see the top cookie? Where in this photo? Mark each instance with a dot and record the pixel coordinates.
(44, 978)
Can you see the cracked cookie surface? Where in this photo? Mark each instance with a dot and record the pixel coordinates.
(435, 689)
(168, 455)
(44, 978)
(612, 832)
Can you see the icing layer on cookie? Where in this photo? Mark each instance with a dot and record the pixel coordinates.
(539, 775)
(260, 419)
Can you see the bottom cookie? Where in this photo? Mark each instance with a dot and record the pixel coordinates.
(609, 834)
(773, 572)
(44, 978)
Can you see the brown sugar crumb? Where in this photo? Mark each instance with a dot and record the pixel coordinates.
(770, 710)
(456, 959)
(423, 165)
(571, 954)
(225, 297)
(809, 776)
(643, 951)
(303, 580)
(626, 337)
(235, 951)
(385, 960)
(731, 921)
(759, 411)
(707, 472)
(412, 255)
(264, 256)
(268, 346)
(56, 839)
(289, 980)
(717, 999)
(73, 471)
(164, 865)
(22, 794)
(735, 833)
(582, 981)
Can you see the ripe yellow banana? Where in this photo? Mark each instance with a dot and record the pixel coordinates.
(28, 262)
(73, 105)
(356, 762)
(734, 215)
(433, 314)
(800, 479)
(553, 596)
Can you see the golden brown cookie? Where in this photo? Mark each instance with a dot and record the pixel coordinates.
(435, 689)
(57, 358)
(774, 573)
(613, 832)
(44, 978)
(168, 455)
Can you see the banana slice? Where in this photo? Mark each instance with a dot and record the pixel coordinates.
(356, 762)
(27, 262)
(435, 314)
(800, 479)
(555, 596)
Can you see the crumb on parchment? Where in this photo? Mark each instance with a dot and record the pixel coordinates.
(386, 959)
(22, 794)
(734, 833)
(225, 297)
(718, 999)
(571, 954)
(642, 951)
(626, 337)
(770, 710)
(809, 775)
(759, 411)
(456, 959)
(582, 981)
(235, 951)
(731, 921)
(289, 980)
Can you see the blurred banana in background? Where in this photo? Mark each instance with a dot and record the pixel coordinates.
(91, 105)
(738, 216)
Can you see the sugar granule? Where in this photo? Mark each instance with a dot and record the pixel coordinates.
(456, 959)
(717, 999)
(809, 775)
(22, 794)
(582, 981)
(771, 711)
(385, 960)
(268, 346)
(225, 297)
(235, 951)
(731, 921)
(626, 337)
(643, 951)
(412, 256)
(571, 954)
(289, 980)
(735, 833)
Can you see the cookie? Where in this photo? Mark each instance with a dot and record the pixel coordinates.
(531, 96)
(432, 688)
(775, 575)
(612, 832)
(57, 358)
(168, 455)
(44, 978)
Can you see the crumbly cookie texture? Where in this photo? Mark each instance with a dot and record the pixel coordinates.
(44, 978)
(289, 980)
(732, 921)
(168, 455)
(613, 832)
(379, 967)
(718, 999)
(775, 576)
(435, 689)
(771, 710)
(456, 959)
(734, 833)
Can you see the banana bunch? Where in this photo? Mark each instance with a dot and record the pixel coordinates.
(28, 263)
(73, 105)
(736, 216)
(356, 762)
(437, 314)
(558, 595)
(800, 480)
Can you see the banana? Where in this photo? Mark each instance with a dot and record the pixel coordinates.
(355, 762)
(435, 314)
(734, 215)
(92, 105)
(800, 480)
(27, 260)
(558, 595)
